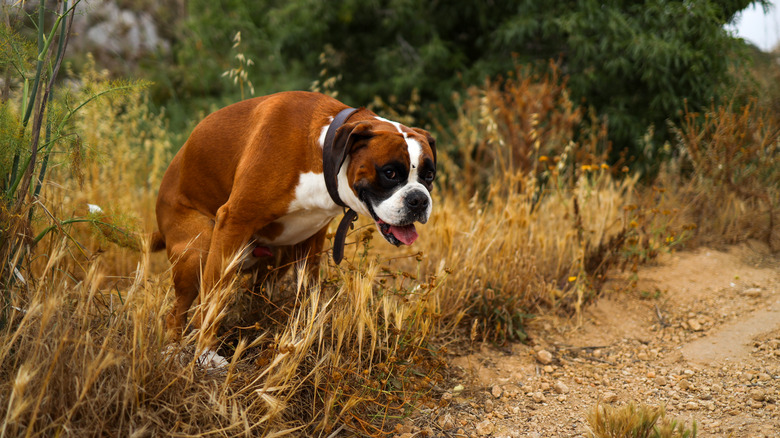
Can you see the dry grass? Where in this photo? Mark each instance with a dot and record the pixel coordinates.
(632, 421)
(527, 220)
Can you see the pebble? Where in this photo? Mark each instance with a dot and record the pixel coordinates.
(544, 357)
(446, 422)
(661, 381)
(684, 385)
(692, 406)
(538, 397)
(694, 325)
(651, 374)
(756, 404)
(642, 356)
(548, 369)
(560, 387)
(609, 397)
(496, 391)
(489, 406)
(757, 395)
(484, 428)
(753, 292)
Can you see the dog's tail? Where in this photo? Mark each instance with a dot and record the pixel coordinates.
(157, 242)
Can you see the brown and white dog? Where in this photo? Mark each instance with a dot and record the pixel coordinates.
(269, 174)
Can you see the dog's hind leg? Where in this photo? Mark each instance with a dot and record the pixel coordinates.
(190, 240)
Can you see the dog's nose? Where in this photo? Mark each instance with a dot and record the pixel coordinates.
(417, 201)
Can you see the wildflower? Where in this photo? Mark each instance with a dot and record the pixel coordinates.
(633, 224)
(572, 279)
(604, 166)
(586, 167)
(543, 158)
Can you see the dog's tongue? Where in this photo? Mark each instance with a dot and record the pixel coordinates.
(406, 234)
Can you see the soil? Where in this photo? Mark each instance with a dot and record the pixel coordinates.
(699, 334)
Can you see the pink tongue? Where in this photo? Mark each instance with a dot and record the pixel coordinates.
(406, 234)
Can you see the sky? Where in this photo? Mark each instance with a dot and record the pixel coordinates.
(761, 30)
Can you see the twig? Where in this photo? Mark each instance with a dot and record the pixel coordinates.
(660, 317)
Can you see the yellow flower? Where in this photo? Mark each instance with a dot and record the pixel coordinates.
(543, 158)
(605, 166)
(572, 279)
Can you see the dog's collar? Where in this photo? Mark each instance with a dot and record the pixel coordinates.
(331, 174)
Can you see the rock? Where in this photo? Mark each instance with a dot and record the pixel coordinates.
(609, 397)
(548, 369)
(489, 406)
(661, 381)
(642, 356)
(694, 325)
(484, 428)
(758, 394)
(538, 397)
(685, 385)
(651, 374)
(753, 292)
(446, 422)
(756, 404)
(544, 357)
(457, 389)
(560, 388)
(692, 406)
(496, 391)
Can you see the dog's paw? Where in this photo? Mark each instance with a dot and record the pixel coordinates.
(211, 359)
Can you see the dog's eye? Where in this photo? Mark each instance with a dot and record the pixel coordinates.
(428, 176)
(390, 174)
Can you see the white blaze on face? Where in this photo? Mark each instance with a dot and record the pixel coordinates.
(393, 210)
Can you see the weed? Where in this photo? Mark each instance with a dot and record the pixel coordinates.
(632, 421)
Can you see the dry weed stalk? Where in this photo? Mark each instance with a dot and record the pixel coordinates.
(734, 191)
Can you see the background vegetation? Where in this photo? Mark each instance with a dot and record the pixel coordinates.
(534, 204)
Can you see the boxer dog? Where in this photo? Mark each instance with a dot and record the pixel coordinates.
(264, 177)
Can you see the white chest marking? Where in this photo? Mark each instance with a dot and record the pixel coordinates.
(311, 209)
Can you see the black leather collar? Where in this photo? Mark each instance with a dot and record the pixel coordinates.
(331, 165)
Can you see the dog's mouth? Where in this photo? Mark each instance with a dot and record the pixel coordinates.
(400, 234)
(397, 234)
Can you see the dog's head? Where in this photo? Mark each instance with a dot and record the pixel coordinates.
(387, 174)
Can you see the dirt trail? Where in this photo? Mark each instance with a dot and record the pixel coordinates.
(700, 334)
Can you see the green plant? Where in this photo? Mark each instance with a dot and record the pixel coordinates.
(32, 136)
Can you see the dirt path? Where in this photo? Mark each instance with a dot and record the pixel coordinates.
(700, 334)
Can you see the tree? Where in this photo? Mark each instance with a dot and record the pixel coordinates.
(635, 63)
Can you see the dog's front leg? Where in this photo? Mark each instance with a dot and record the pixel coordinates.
(231, 233)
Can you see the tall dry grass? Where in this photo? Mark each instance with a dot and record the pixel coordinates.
(528, 219)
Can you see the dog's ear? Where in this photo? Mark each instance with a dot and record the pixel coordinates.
(344, 142)
(430, 139)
